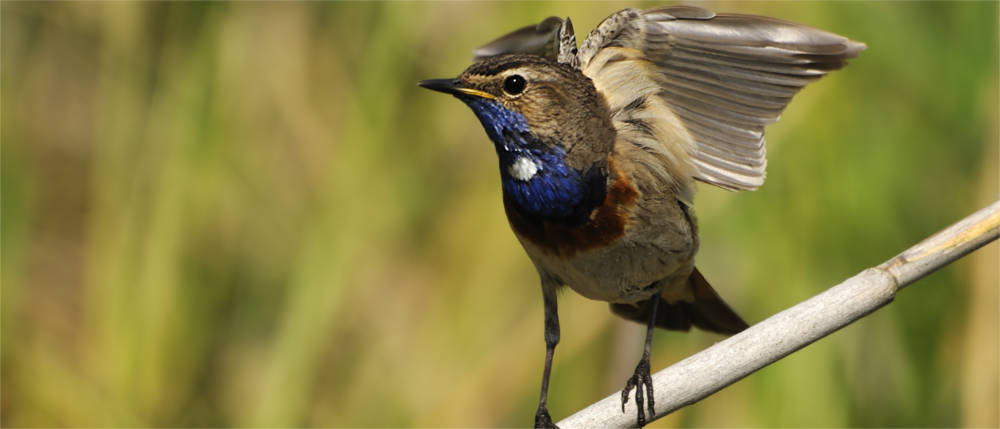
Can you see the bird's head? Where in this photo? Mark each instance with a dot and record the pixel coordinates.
(551, 129)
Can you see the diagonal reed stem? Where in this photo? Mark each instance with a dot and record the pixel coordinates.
(728, 361)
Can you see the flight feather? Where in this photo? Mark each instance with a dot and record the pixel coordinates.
(723, 76)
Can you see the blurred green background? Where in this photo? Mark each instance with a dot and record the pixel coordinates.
(248, 214)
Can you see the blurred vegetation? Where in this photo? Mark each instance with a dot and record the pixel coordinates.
(247, 214)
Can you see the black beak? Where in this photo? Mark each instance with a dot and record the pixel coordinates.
(447, 86)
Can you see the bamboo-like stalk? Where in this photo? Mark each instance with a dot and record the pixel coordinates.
(728, 361)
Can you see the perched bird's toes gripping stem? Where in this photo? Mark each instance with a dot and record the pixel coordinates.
(542, 419)
(640, 379)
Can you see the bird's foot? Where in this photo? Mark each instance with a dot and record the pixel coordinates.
(542, 419)
(640, 379)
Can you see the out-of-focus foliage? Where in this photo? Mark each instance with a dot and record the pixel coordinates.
(247, 214)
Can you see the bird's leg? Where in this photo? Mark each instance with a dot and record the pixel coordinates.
(641, 378)
(542, 418)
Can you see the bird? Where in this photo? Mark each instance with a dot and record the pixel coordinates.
(600, 145)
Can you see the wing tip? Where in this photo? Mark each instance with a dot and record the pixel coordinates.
(854, 48)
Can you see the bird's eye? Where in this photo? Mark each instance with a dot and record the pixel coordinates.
(514, 84)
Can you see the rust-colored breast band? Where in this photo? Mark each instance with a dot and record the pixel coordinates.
(606, 225)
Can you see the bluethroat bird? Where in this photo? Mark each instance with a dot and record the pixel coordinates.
(600, 146)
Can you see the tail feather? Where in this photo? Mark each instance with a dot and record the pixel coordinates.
(705, 310)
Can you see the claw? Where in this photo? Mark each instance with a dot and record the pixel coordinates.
(542, 419)
(639, 380)
(628, 388)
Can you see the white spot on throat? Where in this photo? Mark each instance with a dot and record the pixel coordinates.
(523, 168)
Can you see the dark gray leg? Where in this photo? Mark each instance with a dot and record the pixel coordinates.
(641, 378)
(542, 419)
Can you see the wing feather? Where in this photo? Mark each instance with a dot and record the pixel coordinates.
(722, 76)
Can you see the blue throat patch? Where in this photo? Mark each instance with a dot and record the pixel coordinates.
(555, 191)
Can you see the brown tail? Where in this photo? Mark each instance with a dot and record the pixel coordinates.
(706, 311)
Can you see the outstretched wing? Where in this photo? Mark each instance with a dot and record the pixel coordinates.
(552, 38)
(724, 77)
